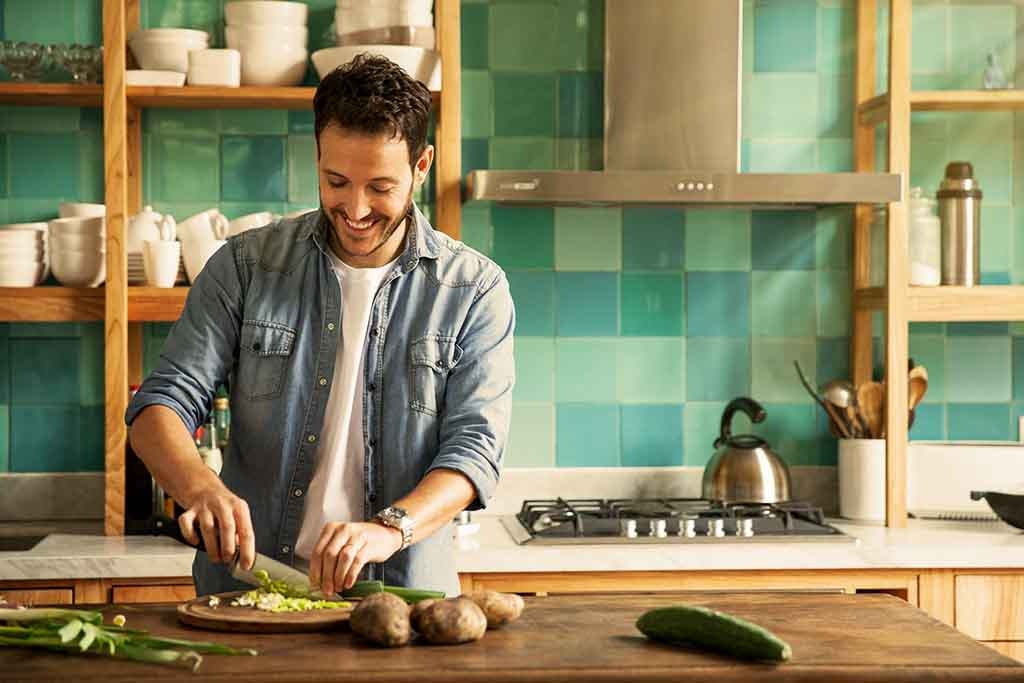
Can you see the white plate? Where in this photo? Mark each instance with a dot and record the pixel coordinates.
(172, 79)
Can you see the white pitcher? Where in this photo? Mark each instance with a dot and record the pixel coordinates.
(147, 225)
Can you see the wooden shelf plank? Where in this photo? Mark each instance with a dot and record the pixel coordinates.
(967, 100)
(155, 304)
(997, 303)
(873, 111)
(210, 97)
(869, 299)
(51, 94)
(51, 304)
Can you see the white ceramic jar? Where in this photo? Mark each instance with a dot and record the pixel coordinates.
(924, 241)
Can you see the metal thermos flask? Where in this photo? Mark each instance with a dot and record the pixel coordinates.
(960, 214)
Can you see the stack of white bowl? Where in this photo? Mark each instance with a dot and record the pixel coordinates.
(78, 250)
(24, 254)
(384, 22)
(272, 38)
(166, 49)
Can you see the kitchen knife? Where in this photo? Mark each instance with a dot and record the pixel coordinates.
(277, 571)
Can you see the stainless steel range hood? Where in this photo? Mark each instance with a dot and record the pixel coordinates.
(672, 112)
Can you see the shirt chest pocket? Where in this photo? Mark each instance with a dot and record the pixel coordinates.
(262, 362)
(431, 358)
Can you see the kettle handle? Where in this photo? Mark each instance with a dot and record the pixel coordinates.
(749, 406)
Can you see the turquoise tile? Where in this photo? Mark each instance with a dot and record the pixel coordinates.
(928, 160)
(929, 422)
(993, 164)
(252, 168)
(91, 365)
(929, 350)
(43, 165)
(702, 422)
(39, 21)
(927, 328)
(475, 155)
(153, 337)
(718, 304)
(782, 156)
(477, 231)
(717, 368)
(579, 154)
(3, 165)
(1018, 369)
(301, 122)
(837, 39)
(979, 421)
(652, 304)
(234, 210)
(588, 239)
(5, 431)
(477, 107)
(985, 329)
(652, 370)
(44, 330)
(580, 43)
(89, 22)
(785, 35)
(254, 121)
(31, 210)
(1016, 412)
(91, 452)
(197, 14)
(587, 304)
(833, 359)
(524, 104)
(4, 212)
(581, 104)
(524, 36)
(774, 377)
(524, 237)
(978, 369)
(717, 239)
(45, 438)
(531, 440)
(5, 370)
(783, 240)
(652, 238)
(185, 169)
(835, 155)
(588, 436)
(203, 122)
(928, 48)
(45, 371)
(782, 303)
(977, 28)
(791, 431)
(835, 106)
(781, 106)
(90, 167)
(474, 36)
(41, 119)
(303, 180)
(997, 238)
(652, 435)
(997, 278)
(586, 370)
(834, 287)
(833, 238)
(535, 369)
(521, 153)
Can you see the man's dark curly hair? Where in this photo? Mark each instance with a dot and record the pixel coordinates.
(373, 95)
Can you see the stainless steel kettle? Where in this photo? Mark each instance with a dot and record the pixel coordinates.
(744, 469)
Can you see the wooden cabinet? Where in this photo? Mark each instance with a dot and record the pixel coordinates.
(38, 596)
(990, 607)
(134, 594)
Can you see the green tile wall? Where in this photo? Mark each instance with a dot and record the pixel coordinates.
(635, 326)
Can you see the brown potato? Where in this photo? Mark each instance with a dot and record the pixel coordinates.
(500, 608)
(452, 621)
(418, 610)
(382, 618)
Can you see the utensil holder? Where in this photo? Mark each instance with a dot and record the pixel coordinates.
(862, 479)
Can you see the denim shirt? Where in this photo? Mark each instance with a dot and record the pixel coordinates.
(264, 317)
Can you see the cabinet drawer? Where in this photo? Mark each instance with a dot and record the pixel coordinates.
(172, 593)
(1010, 648)
(990, 607)
(39, 596)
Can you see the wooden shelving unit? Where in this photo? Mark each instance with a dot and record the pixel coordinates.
(901, 303)
(122, 308)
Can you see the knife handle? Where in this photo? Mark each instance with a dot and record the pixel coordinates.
(166, 526)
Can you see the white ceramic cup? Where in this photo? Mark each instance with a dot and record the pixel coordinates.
(862, 479)
(196, 253)
(161, 259)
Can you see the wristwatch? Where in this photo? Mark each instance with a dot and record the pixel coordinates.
(397, 518)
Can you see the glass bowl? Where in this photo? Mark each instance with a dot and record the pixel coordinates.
(25, 61)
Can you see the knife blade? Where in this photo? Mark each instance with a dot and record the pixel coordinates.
(277, 571)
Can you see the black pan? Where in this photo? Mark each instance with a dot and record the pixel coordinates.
(1008, 507)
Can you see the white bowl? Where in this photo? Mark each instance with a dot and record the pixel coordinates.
(425, 5)
(215, 67)
(22, 254)
(196, 253)
(79, 268)
(423, 65)
(21, 238)
(39, 226)
(418, 36)
(347, 20)
(172, 79)
(78, 241)
(266, 12)
(86, 225)
(272, 66)
(23, 274)
(164, 55)
(250, 221)
(264, 35)
(68, 209)
(189, 35)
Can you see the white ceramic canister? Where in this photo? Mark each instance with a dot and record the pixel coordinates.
(924, 242)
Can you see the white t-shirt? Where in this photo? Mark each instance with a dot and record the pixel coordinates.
(336, 491)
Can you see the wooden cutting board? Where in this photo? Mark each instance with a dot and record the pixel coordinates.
(224, 617)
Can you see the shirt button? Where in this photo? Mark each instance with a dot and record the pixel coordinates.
(372, 388)
(373, 443)
(440, 365)
(285, 549)
(297, 493)
(373, 497)
(311, 438)
(323, 381)
(373, 332)
(330, 326)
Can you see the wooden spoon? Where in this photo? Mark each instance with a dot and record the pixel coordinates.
(918, 386)
(870, 400)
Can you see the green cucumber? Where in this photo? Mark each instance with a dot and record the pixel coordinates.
(361, 589)
(718, 631)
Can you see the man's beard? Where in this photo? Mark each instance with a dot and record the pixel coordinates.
(388, 231)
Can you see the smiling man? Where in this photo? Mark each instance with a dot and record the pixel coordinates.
(369, 360)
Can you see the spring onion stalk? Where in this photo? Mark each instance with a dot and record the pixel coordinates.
(362, 589)
(280, 596)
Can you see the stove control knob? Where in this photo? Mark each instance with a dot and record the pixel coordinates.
(688, 527)
(745, 527)
(659, 528)
(716, 527)
(627, 528)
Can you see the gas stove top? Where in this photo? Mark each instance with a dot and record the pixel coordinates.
(666, 520)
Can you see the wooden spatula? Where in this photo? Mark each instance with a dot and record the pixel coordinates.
(870, 401)
(918, 386)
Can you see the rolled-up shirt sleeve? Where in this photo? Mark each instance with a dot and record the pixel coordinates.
(478, 397)
(202, 345)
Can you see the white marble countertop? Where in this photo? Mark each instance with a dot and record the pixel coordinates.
(923, 544)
